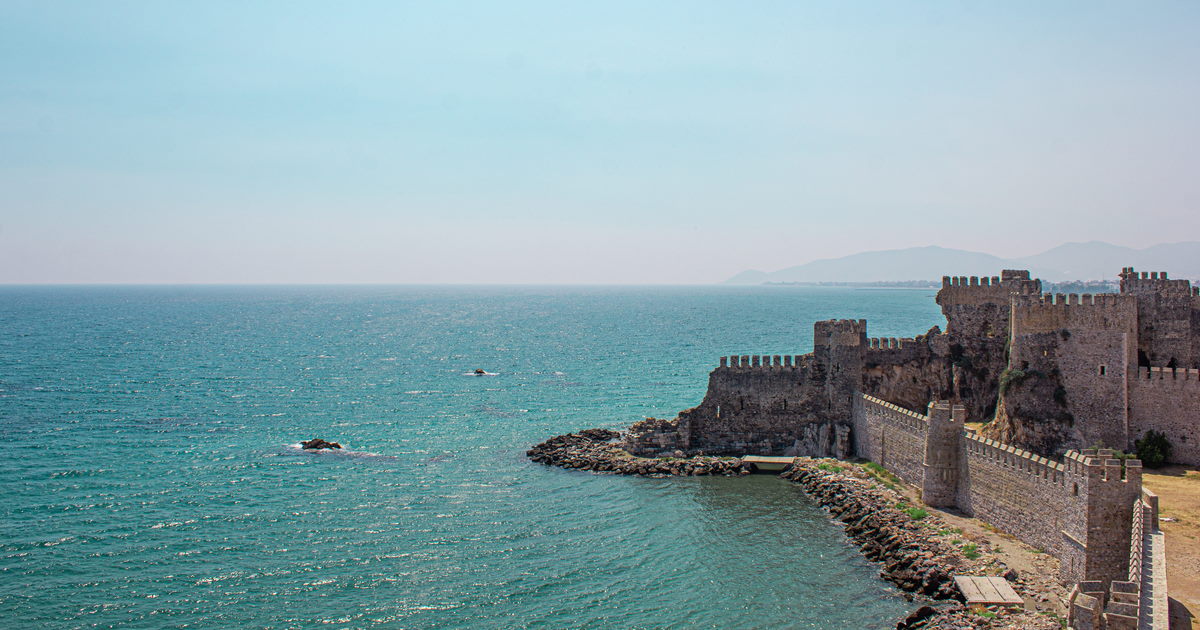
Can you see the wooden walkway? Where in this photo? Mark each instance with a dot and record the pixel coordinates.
(768, 462)
(984, 590)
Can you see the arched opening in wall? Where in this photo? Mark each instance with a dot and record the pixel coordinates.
(1103, 370)
(1075, 490)
(1143, 360)
(1172, 363)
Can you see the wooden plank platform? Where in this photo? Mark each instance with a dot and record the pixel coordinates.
(768, 463)
(767, 459)
(984, 590)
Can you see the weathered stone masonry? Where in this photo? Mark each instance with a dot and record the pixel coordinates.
(1089, 495)
(1168, 400)
(1062, 378)
(1051, 372)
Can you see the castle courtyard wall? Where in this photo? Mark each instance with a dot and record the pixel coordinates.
(1019, 492)
(892, 437)
(1077, 510)
(1168, 401)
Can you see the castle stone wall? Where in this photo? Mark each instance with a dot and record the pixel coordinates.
(1014, 490)
(977, 315)
(893, 437)
(1078, 509)
(1168, 401)
(1075, 351)
(1168, 314)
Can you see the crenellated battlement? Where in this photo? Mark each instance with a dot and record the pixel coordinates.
(895, 413)
(1047, 312)
(763, 361)
(970, 281)
(836, 327)
(975, 290)
(1014, 458)
(1168, 375)
(889, 343)
(1155, 282)
(1072, 299)
(1102, 465)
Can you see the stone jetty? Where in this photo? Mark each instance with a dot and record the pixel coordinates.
(597, 450)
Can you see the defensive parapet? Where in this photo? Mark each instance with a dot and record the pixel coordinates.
(1154, 282)
(896, 414)
(889, 343)
(765, 361)
(1013, 458)
(839, 332)
(973, 290)
(978, 308)
(1053, 312)
(1169, 375)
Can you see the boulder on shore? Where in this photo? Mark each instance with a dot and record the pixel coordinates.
(317, 444)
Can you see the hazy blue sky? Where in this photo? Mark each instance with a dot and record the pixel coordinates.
(581, 142)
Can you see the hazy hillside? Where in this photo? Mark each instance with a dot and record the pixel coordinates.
(1071, 261)
(1098, 261)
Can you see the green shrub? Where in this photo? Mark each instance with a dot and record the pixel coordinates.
(971, 551)
(1010, 377)
(916, 514)
(880, 472)
(1153, 449)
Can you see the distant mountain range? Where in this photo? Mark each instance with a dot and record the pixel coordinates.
(1072, 261)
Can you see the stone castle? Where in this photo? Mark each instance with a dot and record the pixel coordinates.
(1064, 382)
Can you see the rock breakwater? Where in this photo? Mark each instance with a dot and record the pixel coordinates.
(597, 450)
(883, 532)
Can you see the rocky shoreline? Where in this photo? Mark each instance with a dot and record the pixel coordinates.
(884, 533)
(912, 558)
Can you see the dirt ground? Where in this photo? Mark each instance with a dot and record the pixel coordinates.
(1037, 571)
(1178, 490)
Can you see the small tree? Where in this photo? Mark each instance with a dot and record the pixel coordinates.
(1153, 449)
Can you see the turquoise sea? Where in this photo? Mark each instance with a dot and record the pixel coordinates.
(151, 477)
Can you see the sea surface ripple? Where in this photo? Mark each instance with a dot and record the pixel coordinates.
(152, 476)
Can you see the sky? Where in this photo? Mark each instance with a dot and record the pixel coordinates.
(581, 142)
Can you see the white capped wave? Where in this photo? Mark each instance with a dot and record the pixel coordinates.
(297, 449)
